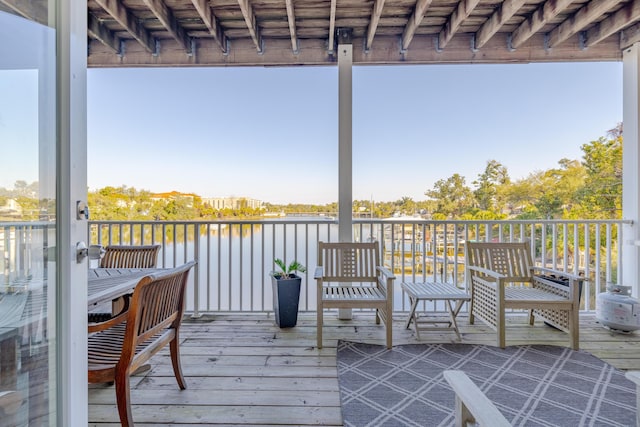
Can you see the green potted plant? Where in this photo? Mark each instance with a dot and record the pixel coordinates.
(286, 292)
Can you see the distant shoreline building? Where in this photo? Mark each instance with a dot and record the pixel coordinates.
(220, 203)
(175, 195)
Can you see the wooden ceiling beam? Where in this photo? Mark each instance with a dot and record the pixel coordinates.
(332, 26)
(99, 31)
(291, 17)
(578, 21)
(549, 10)
(313, 52)
(496, 21)
(614, 23)
(212, 23)
(462, 12)
(129, 22)
(376, 13)
(252, 23)
(414, 22)
(629, 36)
(168, 21)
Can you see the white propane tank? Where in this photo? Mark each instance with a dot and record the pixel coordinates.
(617, 310)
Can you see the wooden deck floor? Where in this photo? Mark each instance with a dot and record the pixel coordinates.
(243, 370)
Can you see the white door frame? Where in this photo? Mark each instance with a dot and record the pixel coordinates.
(71, 330)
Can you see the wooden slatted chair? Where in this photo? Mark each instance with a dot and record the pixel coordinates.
(121, 345)
(115, 256)
(349, 275)
(502, 276)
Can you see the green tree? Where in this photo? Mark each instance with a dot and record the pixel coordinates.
(452, 196)
(601, 196)
(488, 192)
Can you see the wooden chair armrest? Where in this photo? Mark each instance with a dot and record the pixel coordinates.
(471, 404)
(101, 326)
(486, 271)
(115, 320)
(544, 270)
(318, 273)
(386, 272)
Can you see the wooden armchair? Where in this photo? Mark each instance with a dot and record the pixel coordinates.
(145, 256)
(502, 276)
(349, 275)
(121, 345)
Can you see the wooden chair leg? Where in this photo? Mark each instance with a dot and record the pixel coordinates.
(389, 325)
(574, 329)
(531, 317)
(175, 361)
(319, 327)
(500, 319)
(123, 399)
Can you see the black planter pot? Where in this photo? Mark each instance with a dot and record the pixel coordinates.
(286, 296)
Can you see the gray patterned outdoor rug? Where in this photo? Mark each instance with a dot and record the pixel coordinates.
(534, 385)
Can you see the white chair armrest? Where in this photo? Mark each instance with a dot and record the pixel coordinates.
(471, 404)
(386, 272)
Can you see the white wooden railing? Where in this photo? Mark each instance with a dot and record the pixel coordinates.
(235, 257)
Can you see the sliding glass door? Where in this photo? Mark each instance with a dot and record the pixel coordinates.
(28, 291)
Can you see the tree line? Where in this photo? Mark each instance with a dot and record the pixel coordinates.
(589, 188)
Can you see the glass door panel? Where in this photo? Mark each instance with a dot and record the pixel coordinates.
(27, 215)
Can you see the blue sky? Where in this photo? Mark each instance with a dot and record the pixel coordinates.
(272, 133)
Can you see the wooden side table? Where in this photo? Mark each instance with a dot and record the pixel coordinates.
(434, 291)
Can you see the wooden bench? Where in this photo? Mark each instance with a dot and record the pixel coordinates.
(126, 342)
(349, 275)
(501, 276)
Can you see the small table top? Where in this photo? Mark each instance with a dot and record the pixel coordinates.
(434, 291)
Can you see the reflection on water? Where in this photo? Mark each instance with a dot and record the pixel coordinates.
(235, 261)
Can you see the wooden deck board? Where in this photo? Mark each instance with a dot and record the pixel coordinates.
(244, 370)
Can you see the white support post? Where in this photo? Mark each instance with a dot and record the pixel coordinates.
(345, 162)
(345, 166)
(630, 258)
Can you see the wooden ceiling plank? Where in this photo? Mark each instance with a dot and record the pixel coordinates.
(579, 20)
(129, 22)
(291, 17)
(28, 9)
(211, 22)
(100, 32)
(373, 23)
(614, 23)
(332, 25)
(252, 23)
(18, 7)
(497, 20)
(462, 12)
(414, 22)
(549, 10)
(165, 16)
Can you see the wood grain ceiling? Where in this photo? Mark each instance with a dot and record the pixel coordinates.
(132, 33)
